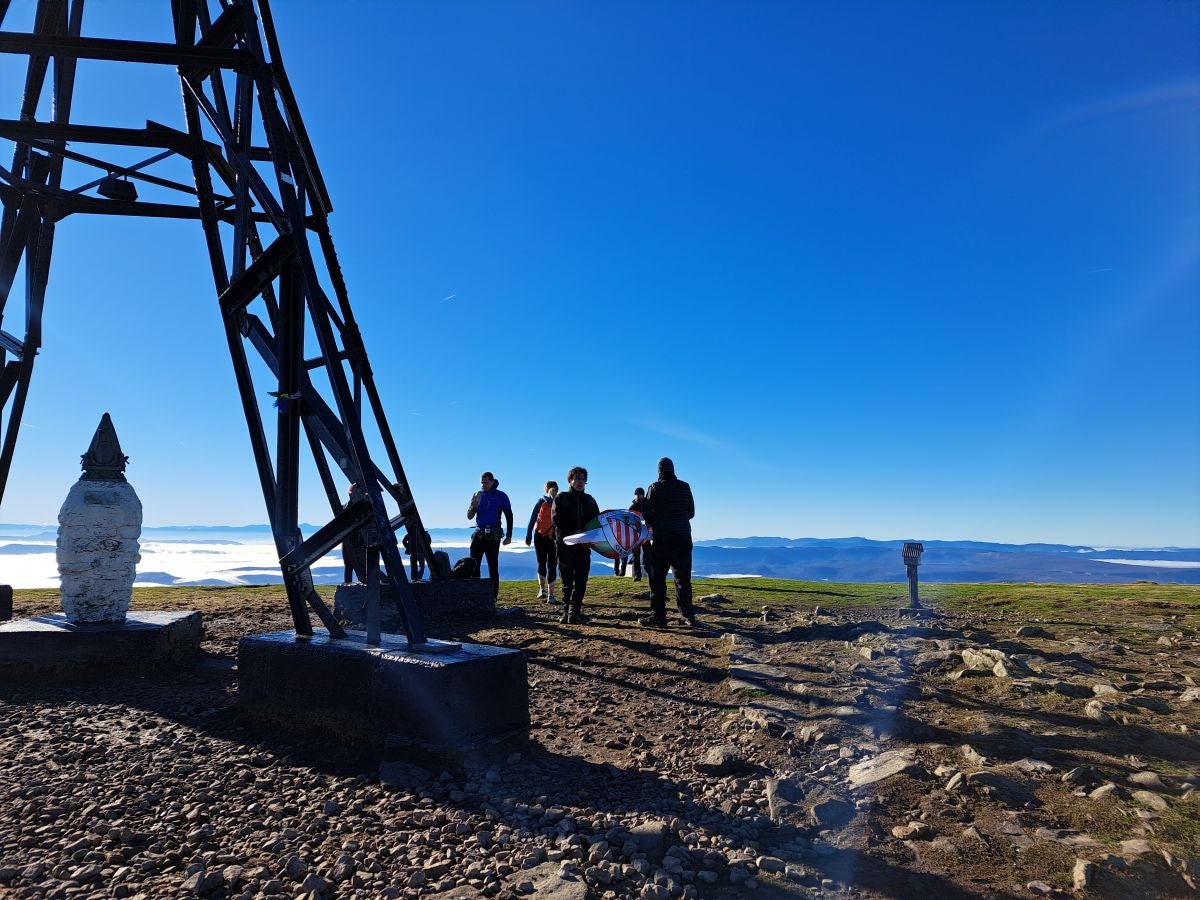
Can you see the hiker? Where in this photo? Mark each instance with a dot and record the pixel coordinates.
(486, 507)
(540, 532)
(619, 563)
(572, 511)
(669, 509)
(354, 551)
(416, 562)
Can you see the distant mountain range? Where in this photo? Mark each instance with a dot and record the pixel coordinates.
(812, 559)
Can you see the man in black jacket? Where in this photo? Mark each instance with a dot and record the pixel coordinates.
(573, 510)
(669, 510)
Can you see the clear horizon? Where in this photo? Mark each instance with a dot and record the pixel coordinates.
(896, 269)
(518, 536)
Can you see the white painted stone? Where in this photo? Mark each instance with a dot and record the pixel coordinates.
(98, 529)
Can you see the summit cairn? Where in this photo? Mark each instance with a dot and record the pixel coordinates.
(98, 529)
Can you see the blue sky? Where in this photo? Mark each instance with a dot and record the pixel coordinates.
(892, 270)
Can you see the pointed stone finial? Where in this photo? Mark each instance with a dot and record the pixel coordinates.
(104, 460)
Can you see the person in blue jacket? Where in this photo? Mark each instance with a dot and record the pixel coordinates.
(488, 504)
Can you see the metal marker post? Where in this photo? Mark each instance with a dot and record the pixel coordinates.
(912, 558)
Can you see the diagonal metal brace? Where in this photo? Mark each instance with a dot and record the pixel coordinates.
(345, 523)
(247, 286)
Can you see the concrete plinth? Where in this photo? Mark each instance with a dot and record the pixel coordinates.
(454, 698)
(51, 645)
(457, 597)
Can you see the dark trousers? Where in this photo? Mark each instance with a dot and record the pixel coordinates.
(547, 556)
(574, 564)
(481, 546)
(619, 564)
(416, 565)
(671, 551)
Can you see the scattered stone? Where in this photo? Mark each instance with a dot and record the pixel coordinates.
(1151, 799)
(651, 838)
(885, 765)
(1033, 766)
(914, 831)
(294, 868)
(1039, 887)
(1104, 689)
(314, 884)
(1076, 839)
(1105, 790)
(982, 658)
(201, 883)
(1147, 780)
(1082, 875)
(1096, 711)
(725, 759)
(974, 757)
(770, 864)
(1134, 847)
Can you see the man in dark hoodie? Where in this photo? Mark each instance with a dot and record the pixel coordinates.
(572, 511)
(669, 510)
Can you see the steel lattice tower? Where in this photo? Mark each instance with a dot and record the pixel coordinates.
(277, 277)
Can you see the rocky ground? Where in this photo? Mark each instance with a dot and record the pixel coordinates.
(1017, 741)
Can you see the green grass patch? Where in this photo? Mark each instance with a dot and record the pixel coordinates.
(1076, 603)
(1181, 827)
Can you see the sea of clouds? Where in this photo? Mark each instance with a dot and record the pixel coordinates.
(181, 556)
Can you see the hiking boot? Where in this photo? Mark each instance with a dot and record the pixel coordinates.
(653, 621)
(541, 595)
(565, 618)
(577, 616)
(689, 619)
(551, 599)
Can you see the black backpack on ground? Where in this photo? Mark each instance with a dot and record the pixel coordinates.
(441, 564)
(465, 568)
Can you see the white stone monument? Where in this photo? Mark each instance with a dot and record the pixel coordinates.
(98, 530)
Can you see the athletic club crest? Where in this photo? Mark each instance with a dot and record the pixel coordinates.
(614, 533)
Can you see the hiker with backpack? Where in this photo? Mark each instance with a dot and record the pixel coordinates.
(487, 505)
(540, 532)
(416, 555)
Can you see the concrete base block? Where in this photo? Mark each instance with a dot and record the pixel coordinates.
(435, 599)
(443, 697)
(50, 645)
